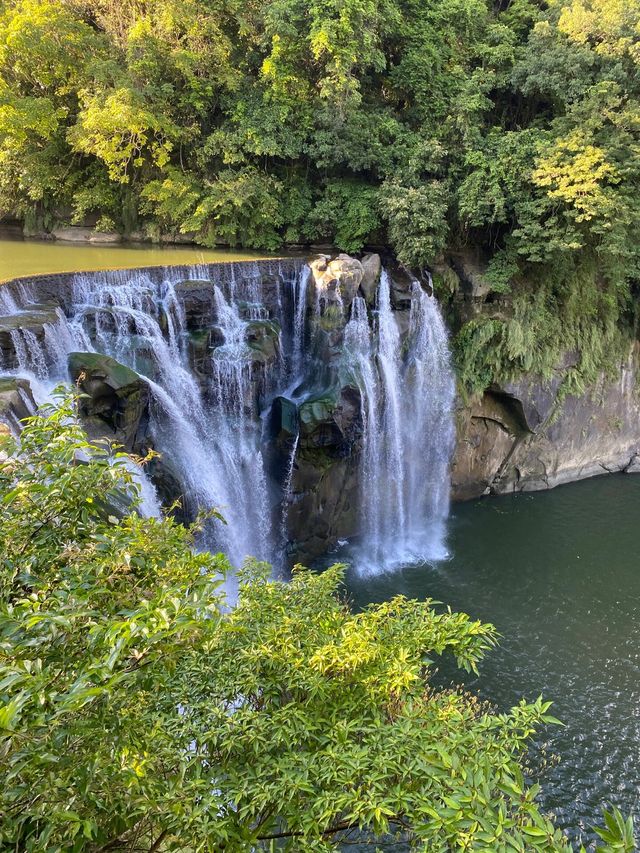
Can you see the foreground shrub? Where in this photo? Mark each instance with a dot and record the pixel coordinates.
(139, 712)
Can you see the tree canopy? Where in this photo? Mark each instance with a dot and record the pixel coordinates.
(421, 124)
(512, 127)
(138, 711)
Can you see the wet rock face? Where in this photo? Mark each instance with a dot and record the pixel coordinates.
(325, 479)
(16, 401)
(116, 404)
(324, 505)
(197, 303)
(372, 267)
(263, 338)
(13, 329)
(522, 437)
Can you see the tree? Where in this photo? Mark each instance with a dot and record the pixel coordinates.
(138, 711)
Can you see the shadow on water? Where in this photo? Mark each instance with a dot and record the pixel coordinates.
(558, 573)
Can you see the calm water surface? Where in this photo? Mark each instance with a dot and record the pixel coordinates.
(30, 257)
(558, 573)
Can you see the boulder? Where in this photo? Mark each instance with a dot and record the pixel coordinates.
(72, 234)
(263, 337)
(79, 234)
(336, 281)
(116, 401)
(331, 418)
(196, 298)
(105, 237)
(371, 267)
(16, 401)
(178, 239)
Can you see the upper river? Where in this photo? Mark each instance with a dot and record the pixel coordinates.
(34, 257)
(558, 573)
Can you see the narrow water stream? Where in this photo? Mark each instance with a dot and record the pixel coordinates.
(558, 573)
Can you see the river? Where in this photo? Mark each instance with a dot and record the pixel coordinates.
(558, 573)
(33, 257)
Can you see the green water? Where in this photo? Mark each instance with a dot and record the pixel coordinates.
(31, 257)
(559, 574)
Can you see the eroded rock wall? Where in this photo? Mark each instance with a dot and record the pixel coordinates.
(525, 436)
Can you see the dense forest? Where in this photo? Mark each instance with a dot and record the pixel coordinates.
(428, 127)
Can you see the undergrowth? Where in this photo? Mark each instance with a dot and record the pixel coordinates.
(568, 321)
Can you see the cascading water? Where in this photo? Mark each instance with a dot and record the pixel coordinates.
(408, 393)
(218, 345)
(206, 426)
(208, 430)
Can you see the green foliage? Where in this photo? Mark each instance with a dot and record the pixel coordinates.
(513, 127)
(138, 712)
(121, 132)
(347, 214)
(241, 207)
(416, 220)
(572, 315)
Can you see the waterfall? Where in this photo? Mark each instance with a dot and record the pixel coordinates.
(393, 453)
(206, 427)
(360, 349)
(299, 323)
(216, 344)
(430, 404)
(408, 434)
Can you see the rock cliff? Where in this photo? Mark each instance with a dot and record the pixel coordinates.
(525, 436)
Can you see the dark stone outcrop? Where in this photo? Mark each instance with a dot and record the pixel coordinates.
(372, 267)
(323, 504)
(115, 401)
(263, 337)
(197, 300)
